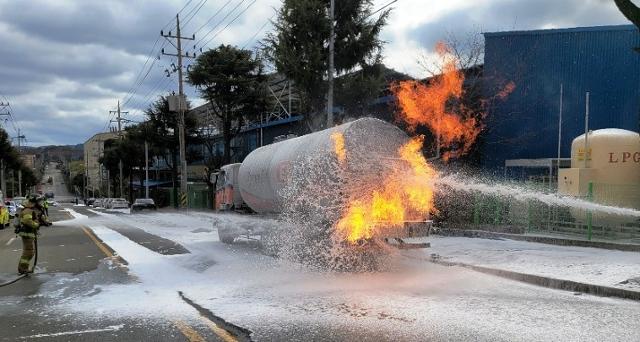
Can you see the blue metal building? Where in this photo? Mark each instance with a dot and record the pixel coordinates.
(599, 60)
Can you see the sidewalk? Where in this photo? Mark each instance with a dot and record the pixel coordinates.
(584, 265)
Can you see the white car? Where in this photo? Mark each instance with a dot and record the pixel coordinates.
(106, 203)
(119, 203)
(12, 207)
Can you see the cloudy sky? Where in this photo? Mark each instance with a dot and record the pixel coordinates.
(65, 64)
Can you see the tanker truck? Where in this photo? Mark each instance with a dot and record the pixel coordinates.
(306, 178)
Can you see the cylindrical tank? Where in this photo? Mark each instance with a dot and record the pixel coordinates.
(613, 153)
(369, 144)
(613, 165)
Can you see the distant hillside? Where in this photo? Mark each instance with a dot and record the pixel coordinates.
(56, 152)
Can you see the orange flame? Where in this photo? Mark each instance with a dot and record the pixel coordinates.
(437, 105)
(338, 145)
(405, 195)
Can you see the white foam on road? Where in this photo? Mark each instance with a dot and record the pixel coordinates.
(154, 292)
(582, 264)
(75, 214)
(414, 300)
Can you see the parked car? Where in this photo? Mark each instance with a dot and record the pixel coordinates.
(98, 202)
(18, 201)
(49, 195)
(143, 203)
(107, 203)
(12, 207)
(90, 201)
(119, 203)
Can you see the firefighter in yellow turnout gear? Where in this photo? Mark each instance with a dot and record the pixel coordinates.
(30, 220)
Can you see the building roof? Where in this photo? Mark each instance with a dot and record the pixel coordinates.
(98, 136)
(563, 30)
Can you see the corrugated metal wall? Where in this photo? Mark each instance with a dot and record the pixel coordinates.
(600, 60)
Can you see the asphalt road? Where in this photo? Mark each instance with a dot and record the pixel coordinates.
(71, 260)
(57, 186)
(219, 292)
(421, 302)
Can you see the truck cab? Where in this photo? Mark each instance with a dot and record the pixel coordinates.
(227, 196)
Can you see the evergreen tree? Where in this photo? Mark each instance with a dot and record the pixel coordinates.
(299, 47)
(233, 83)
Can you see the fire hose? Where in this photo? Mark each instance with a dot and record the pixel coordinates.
(33, 268)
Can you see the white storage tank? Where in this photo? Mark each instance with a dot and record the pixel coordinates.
(369, 143)
(612, 164)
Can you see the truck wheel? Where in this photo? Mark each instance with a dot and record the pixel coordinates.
(226, 236)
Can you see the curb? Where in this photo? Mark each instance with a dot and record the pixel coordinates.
(553, 283)
(539, 239)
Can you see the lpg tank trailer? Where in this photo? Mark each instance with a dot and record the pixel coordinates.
(303, 174)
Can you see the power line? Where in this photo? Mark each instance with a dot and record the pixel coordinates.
(383, 7)
(257, 32)
(229, 23)
(14, 123)
(148, 97)
(218, 24)
(187, 20)
(138, 80)
(213, 16)
(179, 12)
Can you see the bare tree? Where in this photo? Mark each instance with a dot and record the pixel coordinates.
(467, 49)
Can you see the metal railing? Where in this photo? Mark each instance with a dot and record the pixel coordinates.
(486, 212)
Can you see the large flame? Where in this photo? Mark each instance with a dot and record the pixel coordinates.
(437, 105)
(405, 195)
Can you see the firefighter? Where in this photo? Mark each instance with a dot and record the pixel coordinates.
(29, 225)
(4, 216)
(43, 215)
(45, 206)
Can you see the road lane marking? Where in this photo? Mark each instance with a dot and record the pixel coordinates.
(98, 243)
(188, 332)
(10, 241)
(75, 332)
(103, 247)
(223, 334)
(217, 329)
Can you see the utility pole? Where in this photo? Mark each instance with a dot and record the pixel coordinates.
(586, 130)
(560, 130)
(331, 67)
(4, 107)
(146, 169)
(20, 137)
(181, 103)
(3, 182)
(119, 119)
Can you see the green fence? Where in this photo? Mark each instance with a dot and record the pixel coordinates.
(199, 196)
(486, 212)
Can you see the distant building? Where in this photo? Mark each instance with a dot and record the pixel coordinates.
(250, 137)
(93, 149)
(599, 60)
(29, 160)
